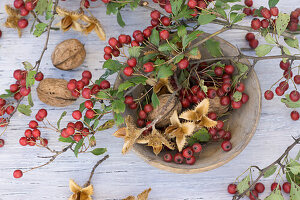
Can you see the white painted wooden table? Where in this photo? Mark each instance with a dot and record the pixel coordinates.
(120, 175)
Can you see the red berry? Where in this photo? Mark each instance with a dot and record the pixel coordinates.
(139, 37)
(14, 87)
(168, 8)
(128, 71)
(113, 42)
(293, 26)
(140, 122)
(219, 125)
(29, 5)
(23, 11)
(259, 187)
(131, 62)
(79, 85)
(250, 36)
(165, 21)
(122, 39)
(269, 95)
(95, 89)
(191, 160)
(148, 108)
(284, 65)
(128, 100)
(247, 11)
(253, 43)
(77, 137)
(133, 106)
(295, 115)
(148, 67)
(1, 143)
(279, 91)
(108, 50)
(211, 93)
(201, 95)
(240, 87)
(28, 133)
(18, 174)
(297, 79)
(104, 85)
(294, 14)
(18, 75)
(218, 71)
(75, 93)
(226, 87)
(85, 132)
(274, 186)
(265, 23)
(64, 133)
(43, 142)
(86, 74)
(236, 104)
(192, 3)
(115, 53)
(142, 114)
(202, 4)
(107, 56)
(88, 104)
(265, 12)
(25, 91)
(168, 157)
(154, 22)
(90, 114)
(184, 63)
(76, 114)
(245, 98)
(212, 116)
(18, 3)
(255, 24)
(22, 23)
(36, 133)
(23, 141)
(288, 74)
(231, 188)
(253, 195)
(135, 44)
(248, 3)
(187, 152)
(70, 131)
(294, 95)
(147, 32)
(185, 103)
(284, 85)
(42, 113)
(164, 34)
(274, 11)
(71, 124)
(197, 147)
(227, 135)
(155, 14)
(39, 76)
(229, 69)
(78, 125)
(226, 145)
(86, 4)
(86, 93)
(286, 187)
(33, 124)
(225, 100)
(10, 109)
(178, 158)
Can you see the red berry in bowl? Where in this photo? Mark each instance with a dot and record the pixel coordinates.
(168, 157)
(133, 106)
(295, 115)
(229, 69)
(212, 115)
(227, 135)
(164, 35)
(140, 122)
(211, 93)
(131, 62)
(197, 147)
(274, 186)
(187, 152)
(286, 187)
(236, 104)
(191, 160)
(128, 71)
(18, 174)
(142, 114)
(259, 187)
(226, 87)
(225, 100)
(185, 103)
(218, 71)
(184, 63)
(148, 108)
(178, 158)
(226, 145)
(240, 87)
(231, 188)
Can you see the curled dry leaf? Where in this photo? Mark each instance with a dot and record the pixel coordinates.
(179, 130)
(80, 193)
(199, 115)
(156, 140)
(143, 196)
(160, 84)
(12, 19)
(93, 24)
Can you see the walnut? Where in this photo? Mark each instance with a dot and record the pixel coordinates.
(68, 55)
(215, 106)
(173, 105)
(54, 92)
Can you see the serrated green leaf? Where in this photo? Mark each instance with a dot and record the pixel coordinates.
(184, 13)
(201, 135)
(176, 6)
(167, 47)
(9, 94)
(98, 151)
(118, 106)
(295, 191)
(282, 22)
(189, 38)
(213, 48)
(270, 171)
(60, 118)
(41, 7)
(134, 51)
(243, 185)
(67, 140)
(78, 146)
(30, 102)
(181, 31)
(272, 3)
(237, 7)
(81, 107)
(154, 37)
(107, 125)
(155, 100)
(25, 109)
(295, 169)
(164, 71)
(125, 85)
(206, 18)
(134, 4)
(138, 80)
(49, 12)
(286, 50)
(238, 18)
(289, 103)
(119, 119)
(275, 195)
(178, 58)
(263, 50)
(292, 43)
(27, 65)
(237, 96)
(120, 19)
(112, 8)
(113, 65)
(221, 11)
(291, 176)
(96, 123)
(30, 78)
(103, 95)
(269, 39)
(39, 29)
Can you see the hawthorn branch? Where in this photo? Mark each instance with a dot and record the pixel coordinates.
(264, 170)
(93, 170)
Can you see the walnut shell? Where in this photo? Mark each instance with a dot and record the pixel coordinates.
(68, 55)
(165, 121)
(215, 106)
(54, 92)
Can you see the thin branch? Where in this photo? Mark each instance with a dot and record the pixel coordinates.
(93, 170)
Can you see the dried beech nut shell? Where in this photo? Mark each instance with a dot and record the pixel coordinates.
(68, 55)
(54, 92)
(173, 105)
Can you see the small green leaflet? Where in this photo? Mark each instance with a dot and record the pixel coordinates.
(134, 4)
(113, 65)
(275, 195)
(290, 176)
(119, 119)
(270, 171)
(138, 80)
(9, 94)
(237, 96)
(164, 71)
(295, 191)
(206, 18)
(201, 135)
(49, 13)
(213, 48)
(282, 22)
(237, 7)
(125, 85)
(181, 31)
(92, 141)
(273, 3)
(120, 19)
(295, 169)
(30, 78)
(134, 51)
(292, 43)
(237, 18)
(184, 13)
(67, 140)
(118, 106)
(30, 102)
(269, 39)
(167, 47)
(289, 103)
(221, 12)
(155, 100)
(243, 185)
(263, 49)
(59, 120)
(189, 38)
(178, 58)
(154, 37)
(98, 151)
(176, 6)
(41, 7)
(77, 147)
(113, 8)
(103, 95)
(27, 65)
(25, 109)
(107, 125)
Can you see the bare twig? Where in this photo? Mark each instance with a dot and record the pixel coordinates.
(93, 170)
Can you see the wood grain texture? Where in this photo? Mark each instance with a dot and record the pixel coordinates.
(120, 175)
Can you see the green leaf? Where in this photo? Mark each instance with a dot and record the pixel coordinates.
(41, 7)
(134, 4)
(178, 58)
(164, 71)
(243, 185)
(27, 65)
(155, 100)
(292, 43)
(30, 78)
(154, 37)
(206, 18)
(201, 135)
(30, 102)
(96, 123)
(184, 13)
(98, 151)
(134, 51)
(49, 13)
(59, 120)
(119, 119)
(167, 47)
(295, 191)
(286, 51)
(181, 31)
(290, 176)
(221, 11)
(282, 22)
(138, 80)
(237, 7)
(238, 18)
(113, 65)
(9, 94)
(194, 51)
(289, 103)
(67, 140)
(147, 58)
(189, 38)
(107, 125)
(263, 50)
(112, 8)
(269, 39)
(120, 19)
(118, 106)
(295, 169)
(39, 29)
(273, 3)
(237, 96)
(25, 109)
(103, 95)
(298, 155)
(125, 85)
(275, 195)
(77, 147)
(242, 67)
(176, 6)
(270, 171)
(81, 107)
(213, 48)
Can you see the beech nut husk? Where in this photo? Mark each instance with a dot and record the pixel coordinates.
(173, 105)
(54, 92)
(68, 55)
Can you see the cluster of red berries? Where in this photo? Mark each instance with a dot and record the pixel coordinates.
(33, 134)
(260, 188)
(253, 43)
(187, 155)
(294, 20)
(19, 88)
(24, 8)
(284, 86)
(218, 133)
(83, 86)
(5, 109)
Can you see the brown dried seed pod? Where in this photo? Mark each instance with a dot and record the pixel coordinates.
(54, 92)
(215, 106)
(68, 55)
(173, 105)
